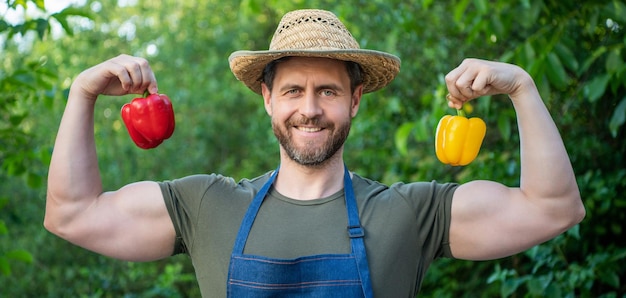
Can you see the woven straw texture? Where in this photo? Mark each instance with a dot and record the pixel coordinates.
(315, 33)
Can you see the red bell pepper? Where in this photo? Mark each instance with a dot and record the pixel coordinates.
(149, 120)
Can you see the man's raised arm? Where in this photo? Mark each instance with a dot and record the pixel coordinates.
(490, 220)
(131, 223)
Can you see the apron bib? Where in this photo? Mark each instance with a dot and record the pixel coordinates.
(325, 275)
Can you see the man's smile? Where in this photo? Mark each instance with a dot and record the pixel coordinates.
(308, 129)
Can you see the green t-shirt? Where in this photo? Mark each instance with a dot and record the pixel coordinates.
(406, 227)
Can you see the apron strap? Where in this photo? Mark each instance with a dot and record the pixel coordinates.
(253, 210)
(356, 233)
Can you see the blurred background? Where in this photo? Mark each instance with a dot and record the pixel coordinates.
(575, 51)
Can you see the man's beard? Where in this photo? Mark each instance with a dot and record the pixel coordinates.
(312, 154)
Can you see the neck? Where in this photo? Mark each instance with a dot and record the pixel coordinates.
(302, 182)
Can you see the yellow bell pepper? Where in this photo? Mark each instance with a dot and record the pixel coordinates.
(458, 139)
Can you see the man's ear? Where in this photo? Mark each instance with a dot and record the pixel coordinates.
(267, 98)
(356, 100)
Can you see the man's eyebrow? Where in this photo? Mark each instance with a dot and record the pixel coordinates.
(290, 87)
(326, 86)
(330, 86)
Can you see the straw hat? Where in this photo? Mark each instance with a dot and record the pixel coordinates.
(314, 33)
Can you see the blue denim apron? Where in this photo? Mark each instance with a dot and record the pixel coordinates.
(326, 275)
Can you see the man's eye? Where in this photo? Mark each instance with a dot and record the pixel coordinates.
(328, 93)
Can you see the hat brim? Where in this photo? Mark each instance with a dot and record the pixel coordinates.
(379, 68)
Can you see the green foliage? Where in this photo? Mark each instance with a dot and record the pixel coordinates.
(574, 50)
(21, 81)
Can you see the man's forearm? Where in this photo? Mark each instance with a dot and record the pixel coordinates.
(74, 175)
(546, 171)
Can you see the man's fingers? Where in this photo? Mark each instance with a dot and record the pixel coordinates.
(454, 102)
(136, 76)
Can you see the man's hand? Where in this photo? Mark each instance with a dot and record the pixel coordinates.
(121, 75)
(475, 78)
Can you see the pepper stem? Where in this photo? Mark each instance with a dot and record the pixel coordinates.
(146, 93)
(460, 112)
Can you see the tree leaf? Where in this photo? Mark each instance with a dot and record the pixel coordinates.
(460, 10)
(3, 202)
(566, 57)
(20, 255)
(528, 53)
(42, 27)
(4, 26)
(504, 126)
(609, 277)
(618, 118)
(621, 254)
(481, 6)
(40, 4)
(574, 232)
(34, 180)
(595, 88)
(3, 228)
(597, 53)
(422, 130)
(620, 10)
(538, 284)
(62, 19)
(5, 267)
(614, 62)
(509, 286)
(402, 136)
(22, 3)
(555, 71)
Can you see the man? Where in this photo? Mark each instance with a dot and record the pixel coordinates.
(311, 227)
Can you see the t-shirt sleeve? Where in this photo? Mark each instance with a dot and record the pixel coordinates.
(445, 192)
(432, 203)
(183, 199)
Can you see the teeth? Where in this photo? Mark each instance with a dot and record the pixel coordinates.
(309, 129)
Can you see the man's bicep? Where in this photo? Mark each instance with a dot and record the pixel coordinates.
(131, 223)
(490, 221)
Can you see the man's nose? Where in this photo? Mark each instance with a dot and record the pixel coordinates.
(310, 106)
